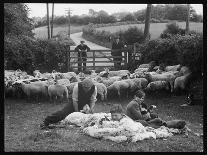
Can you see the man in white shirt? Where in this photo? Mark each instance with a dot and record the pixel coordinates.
(84, 92)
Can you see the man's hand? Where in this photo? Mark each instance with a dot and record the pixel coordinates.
(146, 116)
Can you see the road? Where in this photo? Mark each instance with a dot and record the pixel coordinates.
(77, 37)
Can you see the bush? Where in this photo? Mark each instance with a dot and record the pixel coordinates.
(176, 49)
(172, 29)
(25, 53)
(133, 35)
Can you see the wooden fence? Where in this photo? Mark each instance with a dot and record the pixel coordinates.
(100, 59)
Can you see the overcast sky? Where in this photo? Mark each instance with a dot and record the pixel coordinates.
(39, 9)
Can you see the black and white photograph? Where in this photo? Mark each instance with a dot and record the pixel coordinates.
(103, 77)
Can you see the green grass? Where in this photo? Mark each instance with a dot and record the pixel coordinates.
(41, 32)
(22, 133)
(155, 28)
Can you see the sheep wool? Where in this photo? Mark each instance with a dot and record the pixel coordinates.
(100, 125)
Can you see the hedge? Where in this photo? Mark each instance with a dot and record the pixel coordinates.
(28, 54)
(185, 50)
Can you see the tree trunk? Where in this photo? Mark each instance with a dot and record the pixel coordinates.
(48, 21)
(52, 20)
(147, 22)
(187, 19)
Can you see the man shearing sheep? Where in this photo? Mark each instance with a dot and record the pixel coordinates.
(84, 92)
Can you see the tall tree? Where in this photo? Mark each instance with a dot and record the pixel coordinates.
(16, 20)
(52, 20)
(187, 19)
(147, 22)
(48, 22)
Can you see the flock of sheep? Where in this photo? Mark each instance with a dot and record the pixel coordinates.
(58, 85)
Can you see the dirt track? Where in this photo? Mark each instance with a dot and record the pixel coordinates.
(77, 37)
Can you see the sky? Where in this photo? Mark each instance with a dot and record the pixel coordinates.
(39, 9)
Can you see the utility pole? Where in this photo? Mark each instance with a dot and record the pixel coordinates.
(48, 21)
(187, 19)
(147, 22)
(52, 20)
(69, 12)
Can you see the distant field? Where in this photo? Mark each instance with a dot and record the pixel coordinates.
(41, 32)
(155, 28)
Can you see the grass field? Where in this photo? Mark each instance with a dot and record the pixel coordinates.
(22, 133)
(155, 28)
(41, 32)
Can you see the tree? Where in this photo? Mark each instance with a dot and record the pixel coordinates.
(187, 19)
(16, 20)
(147, 22)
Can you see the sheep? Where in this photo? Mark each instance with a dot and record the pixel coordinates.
(144, 66)
(172, 68)
(108, 73)
(119, 86)
(140, 83)
(101, 90)
(70, 88)
(167, 76)
(64, 82)
(184, 70)
(107, 82)
(180, 82)
(37, 74)
(33, 89)
(74, 79)
(68, 75)
(158, 85)
(57, 91)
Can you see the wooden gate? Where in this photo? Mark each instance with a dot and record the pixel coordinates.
(96, 59)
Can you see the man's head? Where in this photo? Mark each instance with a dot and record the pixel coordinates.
(117, 39)
(116, 112)
(82, 42)
(87, 84)
(140, 95)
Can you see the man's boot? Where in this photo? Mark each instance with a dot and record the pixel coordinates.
(176, 124)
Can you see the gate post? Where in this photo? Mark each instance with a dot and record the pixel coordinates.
(125, 59)
(68, 58)
(94, 60)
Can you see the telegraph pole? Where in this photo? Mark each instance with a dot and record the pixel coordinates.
(48, 21)
(69, 12)
(52, 20)
(68, 53)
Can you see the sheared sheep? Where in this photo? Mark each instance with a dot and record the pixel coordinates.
(119, 73)
(107, 82)
(101, 90)
(172, 68)
(140, 83)
(33, 90)
(57, 91)
(64, 82)
(167, 76)
(158, 85)
(119, 86)
(180, 82)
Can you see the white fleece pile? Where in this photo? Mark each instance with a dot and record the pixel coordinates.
(100, 125)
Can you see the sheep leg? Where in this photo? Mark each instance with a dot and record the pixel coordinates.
(119, 95)
(171, 86)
